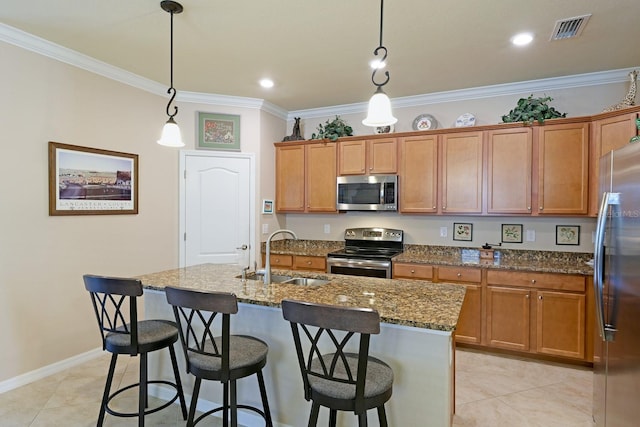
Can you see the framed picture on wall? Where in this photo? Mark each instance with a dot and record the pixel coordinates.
(90, 181)
(567, 234)
(462, 231)
(511, 233)
(267, 206)
(218, 132)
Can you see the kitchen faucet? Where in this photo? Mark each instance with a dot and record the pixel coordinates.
(267, 261)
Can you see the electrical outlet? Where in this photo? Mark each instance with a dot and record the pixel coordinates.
(265, 228)
(443, 231)
(327, 229)
(531, 235)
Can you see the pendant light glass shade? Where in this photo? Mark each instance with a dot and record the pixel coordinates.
(171, 136)
(379, 112)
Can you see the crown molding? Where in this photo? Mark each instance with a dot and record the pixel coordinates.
(51, 50)
(46, 48)
(517, 88)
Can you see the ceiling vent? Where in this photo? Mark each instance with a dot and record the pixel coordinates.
(570, 27)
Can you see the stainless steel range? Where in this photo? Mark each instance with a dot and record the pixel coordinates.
(367, 252)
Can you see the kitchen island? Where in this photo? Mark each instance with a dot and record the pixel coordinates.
(416, 338)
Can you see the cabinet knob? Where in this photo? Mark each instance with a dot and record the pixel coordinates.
(277, 260)
(533, 281)
(541, 208)
(434, 207)
(371, 168)
(528, 208)
(539, 297)
(308, 262)
(527, 296)
(413, 271)
(459, 274)
(444, 207)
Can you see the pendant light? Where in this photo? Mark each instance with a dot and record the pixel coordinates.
(379, 112)
(171, 136)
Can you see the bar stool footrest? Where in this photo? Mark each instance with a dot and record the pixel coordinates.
(147, 411)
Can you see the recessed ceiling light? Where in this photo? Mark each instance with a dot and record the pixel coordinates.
(522, 39)
(266, 83)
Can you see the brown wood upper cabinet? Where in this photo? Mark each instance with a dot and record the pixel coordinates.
(363, 157)
(509, 160)
(461, 190)
(306, 177)
(607, 134)
(563, 166)
(418, 172)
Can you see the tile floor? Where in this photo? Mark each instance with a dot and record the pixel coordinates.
(491, 391)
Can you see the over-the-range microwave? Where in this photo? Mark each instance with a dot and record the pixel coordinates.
(367, 193)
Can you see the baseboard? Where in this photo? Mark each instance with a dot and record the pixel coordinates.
(38, 374)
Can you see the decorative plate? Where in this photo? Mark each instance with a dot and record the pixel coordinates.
(465, 120)
(384, 129)
(425, 122)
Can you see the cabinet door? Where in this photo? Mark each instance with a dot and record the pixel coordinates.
(462, 172)
(606, 135)
(509, 156)
(508, 318)
(418, 172)
(352, 157)
(470, 320)
(563, 156)
(560, 324)
(290, 185)
(321, 177)
(382, 156)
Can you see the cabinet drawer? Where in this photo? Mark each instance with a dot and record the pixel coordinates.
(413, 271)
(310, 263)
(281, 260)
(459, 274)
(563, 282)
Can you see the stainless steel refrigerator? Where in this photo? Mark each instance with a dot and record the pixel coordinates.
(616, 394)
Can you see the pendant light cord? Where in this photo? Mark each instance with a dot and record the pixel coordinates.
(171, 91)
(379, 49)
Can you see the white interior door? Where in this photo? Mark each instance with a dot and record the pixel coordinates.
(217, 212)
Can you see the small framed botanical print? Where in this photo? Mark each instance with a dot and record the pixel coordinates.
(462, 231)
(218, 132)
(567, 234)
(511, 233)
(267, 206)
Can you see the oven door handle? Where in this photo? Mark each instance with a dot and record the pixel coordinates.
(355, 262)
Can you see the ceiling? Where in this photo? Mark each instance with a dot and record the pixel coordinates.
(318, 52)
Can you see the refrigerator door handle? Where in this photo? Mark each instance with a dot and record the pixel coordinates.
(608, 199)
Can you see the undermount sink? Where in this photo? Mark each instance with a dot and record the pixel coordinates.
(275, 278)
(305, 281)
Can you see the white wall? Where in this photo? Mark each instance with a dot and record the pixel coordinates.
(45, 312)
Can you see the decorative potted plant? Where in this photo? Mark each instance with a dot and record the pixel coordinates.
(530, 109)
(332, 130)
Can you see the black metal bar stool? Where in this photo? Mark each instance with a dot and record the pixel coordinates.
(114, 299)
(225, 358)
(334, 374)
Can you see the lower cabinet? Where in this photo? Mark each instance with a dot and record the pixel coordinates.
(469, 325)
(526, 312)
(541, 313)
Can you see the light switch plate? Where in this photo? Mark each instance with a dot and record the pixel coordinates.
(443, 231)
(265, 228)
(327, 229)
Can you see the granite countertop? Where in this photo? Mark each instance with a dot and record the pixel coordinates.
(507, 259)
(404, 302)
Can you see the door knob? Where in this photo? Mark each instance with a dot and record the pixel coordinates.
(243, 247)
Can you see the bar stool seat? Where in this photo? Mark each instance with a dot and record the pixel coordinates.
(113, 300)
(224, 358)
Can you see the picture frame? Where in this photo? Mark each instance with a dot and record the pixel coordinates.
(567, 235)
(511, 233)
(91, 181)
(267, 206)
(463, 231)
(218, 131)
